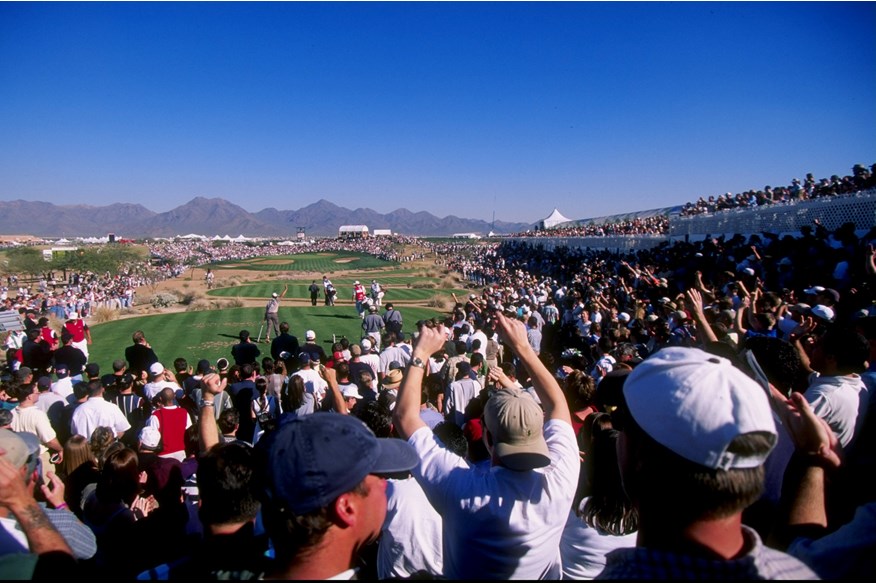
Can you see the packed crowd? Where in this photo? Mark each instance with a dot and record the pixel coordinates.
(656, 225)
(861, 179)
(81, 293)
(180, 253)
(579, 415)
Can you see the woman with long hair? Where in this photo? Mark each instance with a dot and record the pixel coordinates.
(295, 401)
(79, 472)
(113, 509)
(605, 520)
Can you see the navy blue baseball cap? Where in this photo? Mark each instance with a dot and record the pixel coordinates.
(314, 459)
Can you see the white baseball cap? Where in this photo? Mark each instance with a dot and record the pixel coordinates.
(156, 368)
(150, 437)
(274, 295)
(695, 404)
(352, 391)
(823, 312)
(310, 335)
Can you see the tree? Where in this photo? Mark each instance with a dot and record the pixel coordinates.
(98, 259)
(25, 260)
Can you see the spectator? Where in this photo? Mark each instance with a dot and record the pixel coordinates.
(323, 499)
(171, 421)
(284, 343)
(694, 433)
(604, 520)
(245, 352)
(473, 504)
(140, 355)
(27, 417)
(96, 411)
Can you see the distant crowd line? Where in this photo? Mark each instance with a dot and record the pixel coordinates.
(861, 179)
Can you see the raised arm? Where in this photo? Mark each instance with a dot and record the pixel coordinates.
(695, 304)
(513, 333)
(331, 378)
(740, 328)
(817, 454)
(212, 387)
(406, 415)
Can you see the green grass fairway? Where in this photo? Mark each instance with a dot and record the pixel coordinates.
(210, 334)
(307, 262)
(300, 291)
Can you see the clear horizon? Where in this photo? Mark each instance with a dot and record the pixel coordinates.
(451, 108)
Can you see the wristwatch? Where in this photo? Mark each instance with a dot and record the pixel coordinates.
(417, 362)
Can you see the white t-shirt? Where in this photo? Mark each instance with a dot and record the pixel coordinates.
(313, 383)
(35, 421)
(459, 393)
(583, 548)
(64, 388)
(504, 524)
(839, 400)
(150, 390)
(98, 412)
(411, 539)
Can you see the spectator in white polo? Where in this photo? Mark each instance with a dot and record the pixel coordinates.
(504, 524)
(96, 411)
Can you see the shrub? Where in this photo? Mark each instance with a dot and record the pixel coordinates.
(163, 300)
(438, 301)
(55, 323)
(449, 282)
(234, 303)
(190, 297)
(424, 285)
(105, 314)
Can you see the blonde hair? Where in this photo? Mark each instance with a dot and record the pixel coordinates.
(77, 451)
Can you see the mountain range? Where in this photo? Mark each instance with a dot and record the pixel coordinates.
(215, 216)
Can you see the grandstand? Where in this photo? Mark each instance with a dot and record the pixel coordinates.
(788, 218)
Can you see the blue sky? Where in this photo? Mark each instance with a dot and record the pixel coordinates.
(450, 108)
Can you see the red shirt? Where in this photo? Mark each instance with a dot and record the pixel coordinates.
(76, 328)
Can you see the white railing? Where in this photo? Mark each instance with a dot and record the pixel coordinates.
(615, 243)
(788, 218)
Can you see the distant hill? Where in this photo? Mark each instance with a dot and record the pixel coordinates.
(214, 216)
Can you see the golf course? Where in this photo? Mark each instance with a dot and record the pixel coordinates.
(206, 323)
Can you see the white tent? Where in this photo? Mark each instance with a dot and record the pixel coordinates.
(554, 219)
